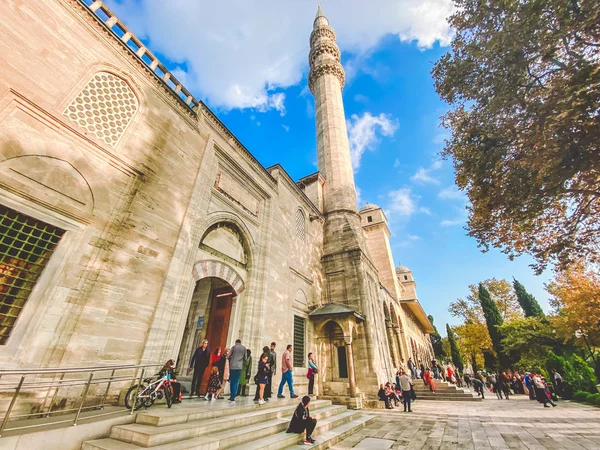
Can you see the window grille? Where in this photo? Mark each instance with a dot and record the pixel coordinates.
(26, 245)
(300, 225)
(104, 107)
(299, 344)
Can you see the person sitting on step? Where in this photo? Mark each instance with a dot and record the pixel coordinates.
(301, 421)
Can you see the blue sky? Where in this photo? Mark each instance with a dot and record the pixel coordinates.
(248, 62)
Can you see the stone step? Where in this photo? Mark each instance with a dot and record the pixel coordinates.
(177, 437)
(449, 399)
(193, 410)
(327, 432)
(151, 436)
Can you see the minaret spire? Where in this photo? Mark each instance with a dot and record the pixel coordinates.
(326, 80)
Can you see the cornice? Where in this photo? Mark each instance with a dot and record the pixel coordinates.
(332, 68)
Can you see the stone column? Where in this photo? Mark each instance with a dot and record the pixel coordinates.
(350, 357)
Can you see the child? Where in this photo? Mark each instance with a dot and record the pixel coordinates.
(214, 384)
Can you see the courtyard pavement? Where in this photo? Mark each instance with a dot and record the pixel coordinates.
(517, 423)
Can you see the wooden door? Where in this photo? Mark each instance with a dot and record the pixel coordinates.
(218, 324)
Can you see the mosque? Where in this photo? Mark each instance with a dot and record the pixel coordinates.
(134, 224)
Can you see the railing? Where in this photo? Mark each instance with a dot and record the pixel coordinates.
(46, 383)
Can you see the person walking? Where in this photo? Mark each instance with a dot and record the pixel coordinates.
(272, 361)
(406, 386)
(286, 373)
(223, 366)
(214, 384)
(479, 386)
(199, 362)
(527, 380)
(237, 357)
(245, 377)
(301, 421)
(262, 376)
(505, 384)
(541, 391)
(313, 369)
(411, 366)
(558, 382)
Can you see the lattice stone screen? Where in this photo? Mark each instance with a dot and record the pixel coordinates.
(300, 225)
(299, 346)
(105, 107)
(26, 245)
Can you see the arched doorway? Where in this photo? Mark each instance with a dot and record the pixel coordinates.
(334, 360)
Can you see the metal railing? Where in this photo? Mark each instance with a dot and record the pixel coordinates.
(46, 383)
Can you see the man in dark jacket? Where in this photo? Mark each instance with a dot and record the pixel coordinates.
(301, 421)
(200, 361)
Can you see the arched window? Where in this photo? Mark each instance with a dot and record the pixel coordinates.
(300, 225)
(104, 107)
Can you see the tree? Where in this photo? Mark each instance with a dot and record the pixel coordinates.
(436, 342)
(473, 339)
(455, 353)
(493, 320)
(528, 341)
(576, 299)
(528, 303)
(523, 79)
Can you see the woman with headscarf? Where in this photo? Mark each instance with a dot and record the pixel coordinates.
(301, 421)
(245, 376)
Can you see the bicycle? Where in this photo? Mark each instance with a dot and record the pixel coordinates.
(149, 392)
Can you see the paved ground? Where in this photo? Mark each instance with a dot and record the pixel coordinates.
(493, 424)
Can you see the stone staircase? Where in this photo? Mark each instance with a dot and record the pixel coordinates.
(444, 392)
(243, 425)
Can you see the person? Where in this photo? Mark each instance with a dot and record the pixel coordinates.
(406, 386)
(286, 373)
(199, 362)
(273, 371)
(223, 366)
(436, 369)
(558, 382)
(390, 392)
(313, 369)
(527, 379)
(467, 379)
(422, 369)
(411, 366)
(246, 372)
(237, 357)
(266, 352)
(428, 380)
(301, 421)
(169, 370)
(541, 391)
(449, 374)
(496, 385)
(478, 386)
(262, 376)
(214, 384)
(382, 396)
(505, 384)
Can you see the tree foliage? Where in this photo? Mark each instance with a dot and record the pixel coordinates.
(523, 79)
(493, 320)
(502, 294)
(454, 351)
(473, 339)
(527, 340)
(528, 303)
(576, 299)
(436, 342)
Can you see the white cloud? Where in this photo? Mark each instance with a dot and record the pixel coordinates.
(402, 202)
(423, 175)
(413, 237)
(358, 197)
(425, 210)
(451, 223)
(242, 53)
(362, 133)
(360, 98)
(451, 193)
(396, 163)
(285, 127)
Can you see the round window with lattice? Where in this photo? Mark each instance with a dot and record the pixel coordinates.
(104, 107)
(300, 225)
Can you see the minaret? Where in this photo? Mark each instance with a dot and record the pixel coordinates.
(351, 284)
(326, 81)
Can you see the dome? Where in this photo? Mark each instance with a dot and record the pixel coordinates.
(369, 206)
(402, 269)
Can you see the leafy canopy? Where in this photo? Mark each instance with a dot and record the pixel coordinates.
(528, 303)
(523, 81)
(454, 351)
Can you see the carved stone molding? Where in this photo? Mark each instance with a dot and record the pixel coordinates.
(323, 31)
(334, 69)
(322, 48)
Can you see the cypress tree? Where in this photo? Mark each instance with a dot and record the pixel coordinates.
(436, 342)
(493, 320)
(455, 353)
(528, 303)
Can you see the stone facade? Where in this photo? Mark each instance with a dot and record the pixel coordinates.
(162, 208)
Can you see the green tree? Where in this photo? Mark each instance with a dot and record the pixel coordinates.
(528, 341)
(436, 342)
(523, 82)
(454, 352)
(528, 303)
(493, 320)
